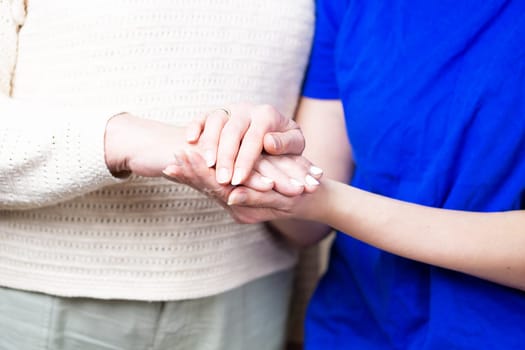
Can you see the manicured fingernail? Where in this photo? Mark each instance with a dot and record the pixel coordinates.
(237, 176)
(210, 158)
(170, 169)
(236, 198)
(310, 180)
(266, 180)
(223, 175)
(314, 170)
(296, 182)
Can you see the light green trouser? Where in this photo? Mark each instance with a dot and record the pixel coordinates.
(251, 317)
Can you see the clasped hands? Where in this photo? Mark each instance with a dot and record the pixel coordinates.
(249, 159)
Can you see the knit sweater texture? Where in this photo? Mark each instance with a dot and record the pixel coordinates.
(67, 227)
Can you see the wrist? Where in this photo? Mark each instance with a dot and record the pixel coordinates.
(320, 203)
(115, 156)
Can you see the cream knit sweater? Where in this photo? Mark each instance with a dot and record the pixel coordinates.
(67, 227)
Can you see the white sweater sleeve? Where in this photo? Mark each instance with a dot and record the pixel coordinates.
(48, 154)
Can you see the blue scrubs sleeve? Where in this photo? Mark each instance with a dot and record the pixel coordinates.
(320, 81)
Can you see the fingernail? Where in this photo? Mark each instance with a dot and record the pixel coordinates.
(190, 136)
(223, 175)
(266, 180)
(210, 158)
(236, 198)
(314, 170)
(296, 182)
(237, 176)
(310, 180)
(170, 169)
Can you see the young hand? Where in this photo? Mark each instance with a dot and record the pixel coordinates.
(191, 169)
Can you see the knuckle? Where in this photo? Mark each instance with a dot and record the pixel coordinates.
(217, 116)
(262, 112)
(267, 108)
(232, 128)
(254, 135)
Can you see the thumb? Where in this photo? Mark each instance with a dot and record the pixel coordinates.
(287, 142)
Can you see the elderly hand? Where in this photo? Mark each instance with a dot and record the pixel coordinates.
(233, 138)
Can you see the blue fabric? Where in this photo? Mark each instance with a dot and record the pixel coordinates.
(434, 98)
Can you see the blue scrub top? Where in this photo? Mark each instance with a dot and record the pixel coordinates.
(434, 98)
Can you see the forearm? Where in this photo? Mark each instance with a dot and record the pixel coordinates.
(486, 245)
(301, 233)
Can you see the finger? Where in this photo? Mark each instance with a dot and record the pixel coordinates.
(246, 197)
(180, 170)
(230, 140)
(295, 167)
(210, 136)
(267, 120)
(316, 172)
(287, 142)
(258, 182)
(312, 174)
(197, 162)
(195, 128)
(311, 184)
(264, 118)
(299, 168)
(204, 177)
(283, 182)
(249, 151)
(172, 173)
(308, 167)
(194, 172)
